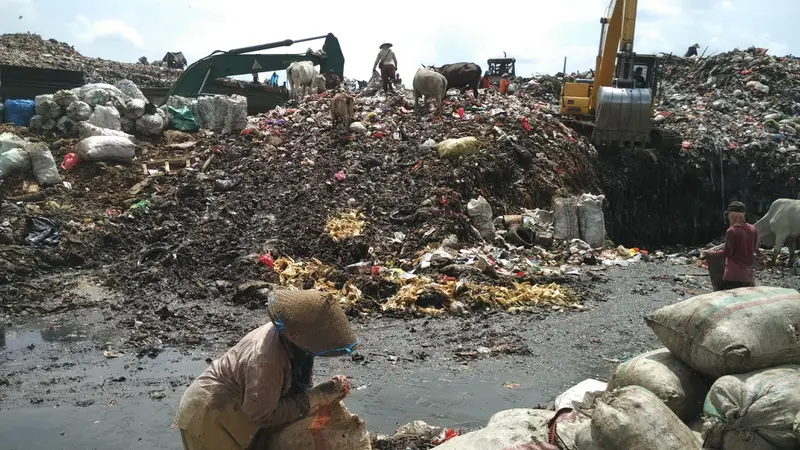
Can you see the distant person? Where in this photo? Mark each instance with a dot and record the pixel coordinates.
(273, 80)
(692, 51)
(387, 62)
(255, 78)
(638, 78)
(485, 81)
(332, 81)
(741, 244)
(504, 83)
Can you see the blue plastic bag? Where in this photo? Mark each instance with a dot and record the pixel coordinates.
(18, 112)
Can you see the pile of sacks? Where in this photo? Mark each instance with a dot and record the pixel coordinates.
(727, 379)
(119, 108)
(213, 112)
(20, 156)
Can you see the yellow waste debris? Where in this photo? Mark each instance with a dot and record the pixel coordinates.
(294, 274)
(346, 224)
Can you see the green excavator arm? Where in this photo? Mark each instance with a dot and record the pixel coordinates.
(237, 62)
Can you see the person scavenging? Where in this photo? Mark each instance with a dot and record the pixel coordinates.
(387, 63)
(264, 382)
(741, 244)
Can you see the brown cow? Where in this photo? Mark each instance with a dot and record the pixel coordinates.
(342, 109)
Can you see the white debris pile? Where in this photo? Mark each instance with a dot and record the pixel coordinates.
(118, 108)
(215, 112)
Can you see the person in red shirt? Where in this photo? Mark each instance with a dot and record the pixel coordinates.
(485, 81)
(504, 84)
(741, 243)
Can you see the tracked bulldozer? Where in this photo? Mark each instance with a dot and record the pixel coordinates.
(616, 105)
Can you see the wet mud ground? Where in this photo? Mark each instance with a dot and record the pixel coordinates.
(58, 390)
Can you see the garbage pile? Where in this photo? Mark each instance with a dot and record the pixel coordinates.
(737, 100)
(120, 109)
(378, 216)
(727, 389)
(26, 49)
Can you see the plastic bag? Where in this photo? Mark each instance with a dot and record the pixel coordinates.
(9, 141)
(128, 125)
(754, 410)
(183, 119)
(678, 386)
(130, 89)
(457, 147)
(70, 160)
(43, 231)
(480, 211)
(43, 165)
(64, 98)
(45, 106)
(236, 114)
(79, 111)
(134, 109)
(18, 112)
(105, 117)
(86, 130)
(510, 429)
(634, 418)
(729, 332)
(41, 123)
(150, 124)
(106, 148)
(565, 219)
(331, 428)
(67, 126)
(591, 222)
(14, 161)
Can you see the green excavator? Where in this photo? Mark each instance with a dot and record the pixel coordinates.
(202, 77)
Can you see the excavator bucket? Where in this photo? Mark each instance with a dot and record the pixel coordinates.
(622, 117)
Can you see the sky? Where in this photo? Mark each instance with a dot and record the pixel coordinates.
(538, 33)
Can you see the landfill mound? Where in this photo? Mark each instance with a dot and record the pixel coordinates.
(212, 218)
(30, 50)
(738, 113)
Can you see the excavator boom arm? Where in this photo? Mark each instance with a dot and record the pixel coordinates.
(234, 62)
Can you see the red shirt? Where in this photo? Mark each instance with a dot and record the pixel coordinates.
(741, 242)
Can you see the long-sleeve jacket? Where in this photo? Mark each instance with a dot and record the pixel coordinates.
(741, 242)
(247, 386)
(385, 56)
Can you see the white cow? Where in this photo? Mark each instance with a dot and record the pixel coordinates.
(781, 224)
(431, 85)
(303, 79)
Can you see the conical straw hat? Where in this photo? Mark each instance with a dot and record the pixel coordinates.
(311, 320)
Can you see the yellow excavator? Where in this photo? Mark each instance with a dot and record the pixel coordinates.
(617, 104)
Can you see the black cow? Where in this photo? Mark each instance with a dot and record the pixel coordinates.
(461, 75)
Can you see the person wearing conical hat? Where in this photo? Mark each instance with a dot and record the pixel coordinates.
(387, 62)
(263, 382)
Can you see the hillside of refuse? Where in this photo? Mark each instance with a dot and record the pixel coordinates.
(407, 213)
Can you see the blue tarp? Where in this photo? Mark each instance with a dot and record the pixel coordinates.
(18, 112)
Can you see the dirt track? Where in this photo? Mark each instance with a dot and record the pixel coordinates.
(56, 381)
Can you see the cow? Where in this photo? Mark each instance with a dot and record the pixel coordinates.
(781, 223)
(342, 109)
(461, 75)
(303, 78)
(431, 84)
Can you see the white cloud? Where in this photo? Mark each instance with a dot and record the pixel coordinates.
(89, 32)
(661, 7)
(725, 5)
(422, 31)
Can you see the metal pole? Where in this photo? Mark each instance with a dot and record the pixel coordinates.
(205, 79)
(565, 67)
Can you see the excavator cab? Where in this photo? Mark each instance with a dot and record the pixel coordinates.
(622, 117)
